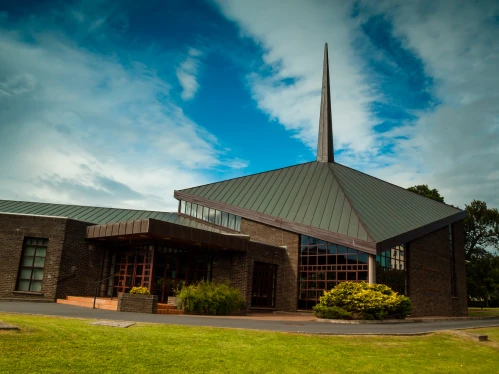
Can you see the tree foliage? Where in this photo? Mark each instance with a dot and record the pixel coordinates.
(481, 227)
(424, 190)
(483, 276)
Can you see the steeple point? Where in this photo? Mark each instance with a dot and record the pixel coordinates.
(325, 151)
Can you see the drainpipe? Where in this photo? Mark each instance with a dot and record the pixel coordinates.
(372, 269)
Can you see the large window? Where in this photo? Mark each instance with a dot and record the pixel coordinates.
(211, 215)
(391, 270)
(323, 265)
(32, 264)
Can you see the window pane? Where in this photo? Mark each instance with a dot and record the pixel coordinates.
(212, 216)
(41, 252)
(225, 219)
(39, 262)
(36, 286)
(29, 251)
(25, 274)
(188, 208)
(232, 221)
(23, 285)
(45, 241)
(28, 261)
(363, 258)
(200, 212)
(40, 242)
(182, 206)
(38, 274)
(218, 217)
(205, 213)
(238, 223)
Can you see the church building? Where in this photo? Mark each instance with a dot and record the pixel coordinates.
(282, 237)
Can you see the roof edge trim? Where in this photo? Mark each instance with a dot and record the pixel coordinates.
(362, 245)
(418, 232)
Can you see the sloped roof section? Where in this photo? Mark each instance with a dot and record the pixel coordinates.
(307, 194)
(98, 215)
(386, 209)
(326, 197)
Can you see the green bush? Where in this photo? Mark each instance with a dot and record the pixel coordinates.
(210, 298)
(365, 301)
(139, 291)
(331, 312)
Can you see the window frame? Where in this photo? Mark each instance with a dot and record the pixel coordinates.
(37, 244)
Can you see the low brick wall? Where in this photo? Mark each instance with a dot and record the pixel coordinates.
(137, 303)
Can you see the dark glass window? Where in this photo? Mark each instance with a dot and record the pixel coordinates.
(32, 265)
(323, 265)
(390, 269)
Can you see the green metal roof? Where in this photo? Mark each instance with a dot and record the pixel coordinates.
(331, 197)
(98, 215)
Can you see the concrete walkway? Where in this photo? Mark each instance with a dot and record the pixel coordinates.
(283, 323)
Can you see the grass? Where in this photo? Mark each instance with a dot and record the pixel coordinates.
(60, 345)
(485, 312)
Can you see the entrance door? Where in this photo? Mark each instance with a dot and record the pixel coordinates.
(264, 284)
(134, 270)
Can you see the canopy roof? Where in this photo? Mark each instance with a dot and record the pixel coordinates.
(98, 215)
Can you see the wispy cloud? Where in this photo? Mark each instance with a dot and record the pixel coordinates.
(187, 74)
(81, 127)
(414, 85)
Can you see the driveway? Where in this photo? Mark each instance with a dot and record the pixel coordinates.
(282, 323)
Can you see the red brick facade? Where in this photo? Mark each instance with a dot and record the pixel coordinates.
(70, 267)
(429, 274)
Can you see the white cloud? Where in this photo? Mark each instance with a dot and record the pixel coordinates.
(187, 74)
(454, 147)
(293, 40)
(78, 127)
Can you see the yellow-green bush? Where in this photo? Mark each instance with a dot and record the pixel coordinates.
(364, 301)
(211, 298)
(140, 291)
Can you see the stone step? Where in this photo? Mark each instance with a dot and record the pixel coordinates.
(169, 311)
(88, 302)
(166, 306)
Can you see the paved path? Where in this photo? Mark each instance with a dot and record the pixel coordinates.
(274, 323)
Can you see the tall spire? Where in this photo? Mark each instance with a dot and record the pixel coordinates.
(325, 146)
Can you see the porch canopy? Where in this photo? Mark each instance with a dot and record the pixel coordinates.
(187, 232)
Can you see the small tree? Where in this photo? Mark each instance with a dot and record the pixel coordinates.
(481, 227)
(424, 190)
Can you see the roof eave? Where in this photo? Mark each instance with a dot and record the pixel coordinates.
(418, 232)
(299, 228)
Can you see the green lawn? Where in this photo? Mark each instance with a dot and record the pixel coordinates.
(485, 312)
(55, 345)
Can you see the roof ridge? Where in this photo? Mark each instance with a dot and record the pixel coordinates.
(402, 188)
(86, 206)
(351, 204)
(244, 176)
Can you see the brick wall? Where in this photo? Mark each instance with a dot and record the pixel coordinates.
(429, 274)
(137, 303)
(71, 265)
(286, 260)
(13, 230)
(81, 263)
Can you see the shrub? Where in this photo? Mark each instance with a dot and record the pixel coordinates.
(366, 301)
(139, 291)
(210, 298)
(331, 312)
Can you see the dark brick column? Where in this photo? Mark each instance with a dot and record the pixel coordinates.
(429, 274)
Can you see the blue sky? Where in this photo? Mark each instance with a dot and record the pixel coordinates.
(118, 103)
